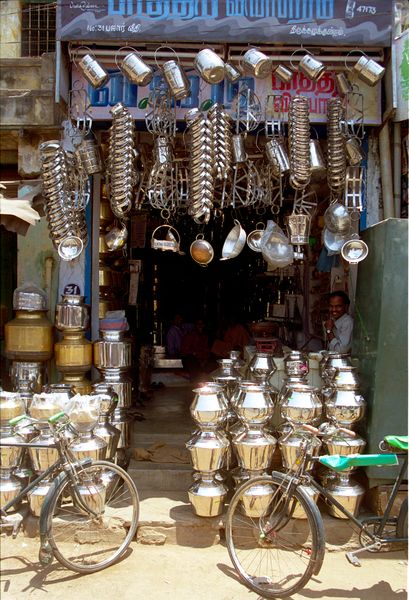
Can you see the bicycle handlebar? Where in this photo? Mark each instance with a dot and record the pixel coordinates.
(347, 431)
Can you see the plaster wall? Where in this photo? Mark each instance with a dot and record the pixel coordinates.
(10, 29)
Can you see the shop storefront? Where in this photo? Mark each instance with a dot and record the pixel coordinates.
(219, 160)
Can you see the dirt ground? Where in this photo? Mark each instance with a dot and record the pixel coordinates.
(182, 573)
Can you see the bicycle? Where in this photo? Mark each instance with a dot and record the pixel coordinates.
(274, 554)
(91, 511)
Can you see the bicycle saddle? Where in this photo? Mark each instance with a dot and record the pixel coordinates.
(397, 441)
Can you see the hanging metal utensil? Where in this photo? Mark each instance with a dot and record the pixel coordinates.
(201, 250)
(254, 237)
(234, 242)
(171, 241)
(299, 141)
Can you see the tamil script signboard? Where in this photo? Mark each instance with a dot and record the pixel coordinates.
(320, 22)
(118, 89)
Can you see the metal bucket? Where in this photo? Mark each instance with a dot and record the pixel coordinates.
(209, 66)
(233, 72)
(176, 79)
(299, 228)
(257, 63)
(276, 152)
(311, 67)
(369, 70)
(135, 69)
(92, 71)
(283, 73)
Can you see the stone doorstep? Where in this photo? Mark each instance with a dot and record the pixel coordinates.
(145, 440)
(169, 518)
(160, 476)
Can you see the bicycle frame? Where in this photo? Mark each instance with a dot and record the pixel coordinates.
(61, 464)
(360, 524)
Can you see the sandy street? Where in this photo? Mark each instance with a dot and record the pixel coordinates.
(173, 572)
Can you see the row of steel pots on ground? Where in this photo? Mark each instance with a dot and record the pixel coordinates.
(92, 435)
(235, 422)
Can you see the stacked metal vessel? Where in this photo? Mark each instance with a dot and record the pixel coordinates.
(344, 407)
(113, 359)
(73, 354)
(11, 406)
(236, 414)
(28, 341)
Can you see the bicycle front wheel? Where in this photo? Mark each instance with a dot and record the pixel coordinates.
(91, 523)
(274, 553)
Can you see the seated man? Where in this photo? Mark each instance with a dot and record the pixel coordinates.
(339, 326)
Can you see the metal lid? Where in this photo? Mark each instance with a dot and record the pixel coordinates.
(29, 298)
(70, 247)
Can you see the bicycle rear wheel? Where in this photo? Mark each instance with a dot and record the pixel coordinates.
(274, 554)
(402, 524)
(91, 524)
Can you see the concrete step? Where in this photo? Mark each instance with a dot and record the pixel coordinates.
(144, 440)
(162, 477)
(170, 519)
(166, 517)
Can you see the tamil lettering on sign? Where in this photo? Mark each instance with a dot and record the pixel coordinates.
(329, 22)
(118, 89)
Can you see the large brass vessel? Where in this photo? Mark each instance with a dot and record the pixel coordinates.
(29, 336)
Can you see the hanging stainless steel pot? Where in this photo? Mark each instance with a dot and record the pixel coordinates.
(239, 150)
(283, 73)
(257, 63)
(233, 72)
(343, 84)
(277, 155)
(309, 65)
(337, 218)
(134, 68)
(92, 70)
(234, 242)
(369, 70)
(174, 75)
(209, 66)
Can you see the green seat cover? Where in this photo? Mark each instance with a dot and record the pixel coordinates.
(337, 462)
(397, 441)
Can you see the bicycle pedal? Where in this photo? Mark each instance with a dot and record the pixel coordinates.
(353, 559)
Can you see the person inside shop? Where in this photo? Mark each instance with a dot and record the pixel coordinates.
(339, 326)
(174, 336)
(234, 337)
(195, 351)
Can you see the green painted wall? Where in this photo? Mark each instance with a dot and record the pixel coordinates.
(381, 335)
